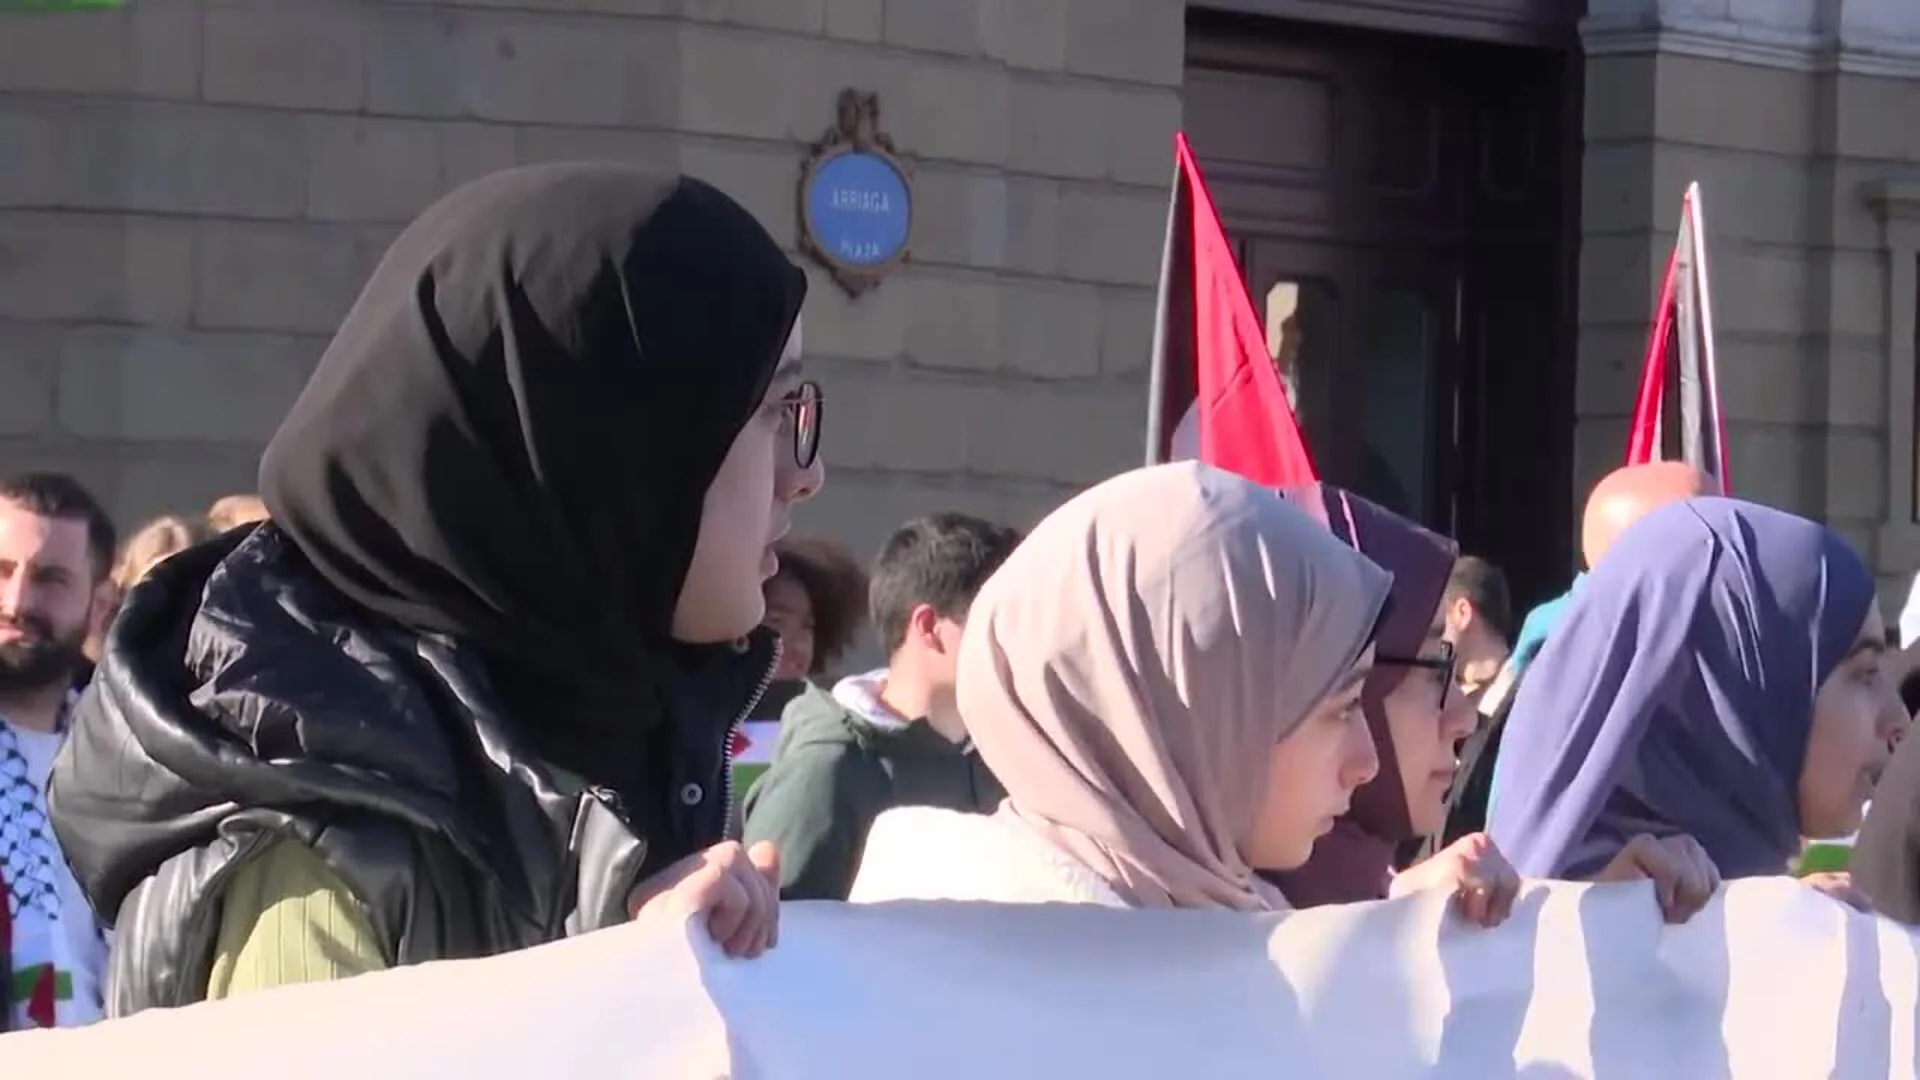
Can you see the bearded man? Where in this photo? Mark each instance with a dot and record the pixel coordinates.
(56, 546)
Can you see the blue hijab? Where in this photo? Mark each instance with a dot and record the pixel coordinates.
(1676, 696)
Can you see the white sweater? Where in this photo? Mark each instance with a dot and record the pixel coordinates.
(923, 853)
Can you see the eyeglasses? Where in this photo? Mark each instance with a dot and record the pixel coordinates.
(1442, 662)
(803, 407)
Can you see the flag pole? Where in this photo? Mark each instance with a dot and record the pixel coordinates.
(1157, 368)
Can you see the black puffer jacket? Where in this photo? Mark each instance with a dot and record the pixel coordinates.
(241, 701)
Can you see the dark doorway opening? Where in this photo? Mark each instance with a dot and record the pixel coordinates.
(1406, 211)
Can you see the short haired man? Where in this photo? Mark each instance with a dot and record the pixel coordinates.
(891, 737)
(56, 549)
(1479, 622)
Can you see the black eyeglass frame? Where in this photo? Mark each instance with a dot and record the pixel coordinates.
(806, 438)
(1445, 663)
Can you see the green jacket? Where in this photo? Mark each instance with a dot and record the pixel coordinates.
(834, 771)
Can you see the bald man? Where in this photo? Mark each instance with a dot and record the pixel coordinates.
(1621, 498)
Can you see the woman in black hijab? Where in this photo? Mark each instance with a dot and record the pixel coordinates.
(471, 688)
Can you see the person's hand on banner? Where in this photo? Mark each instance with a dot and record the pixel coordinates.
(1839, 885)
(1683, 877)
(1483, 882)
(735, 887)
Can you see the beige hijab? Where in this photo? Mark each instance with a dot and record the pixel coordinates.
(1128, 670)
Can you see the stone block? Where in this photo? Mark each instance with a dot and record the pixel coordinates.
(1029, 34)
(1599, 447)
(1061, 127)
(1856, 282)
(1856, 383)
(1802, 382)
(1776, 112)
(1112, 236)
(412, 62)
(856, 20)
(1127, 317)
(635, 8)
(151, 48)
(1143, 41)
(861, 508)
(295, 56)
(786, 16)
(1049, 330)
(650, 149)
(552, 70)
(954, 321)
(1020, 435)
(764, 179)
(762, 87)
(1872, 117)
(82, 267)
(298, 279)
(960, 217)
(1856, 461)
(1857, 223)
(1620, 277)
(29, 363)
(957, 27)
(873, 326)
(1140, 129)
(1092, 130)
(141, 384)
(1780, 465)
(471, 151)
(1034, 226)
(1619, 99)
(908, 421)
(145, 480)
(371, 169)
(1637, 186)
(1607, 367)
(160, 157)
(946, 109)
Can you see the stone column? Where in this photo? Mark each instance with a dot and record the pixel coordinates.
(1787, 113)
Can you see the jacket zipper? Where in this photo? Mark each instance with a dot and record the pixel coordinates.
(733, 729)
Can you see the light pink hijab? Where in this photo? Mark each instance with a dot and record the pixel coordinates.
(1128, 670)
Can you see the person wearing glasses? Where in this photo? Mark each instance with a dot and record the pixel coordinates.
(471, 688)
(1418, 716)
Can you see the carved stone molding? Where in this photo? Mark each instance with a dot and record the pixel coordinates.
(1866, 37)
(1896, 201)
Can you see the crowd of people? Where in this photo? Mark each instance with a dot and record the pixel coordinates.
(478, 667)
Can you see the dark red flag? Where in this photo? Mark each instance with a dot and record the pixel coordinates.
(1211, 367)
(1679, 376)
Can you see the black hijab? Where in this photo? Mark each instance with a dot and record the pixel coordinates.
(509, 441)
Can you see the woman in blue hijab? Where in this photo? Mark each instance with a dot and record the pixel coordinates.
(1718, 677)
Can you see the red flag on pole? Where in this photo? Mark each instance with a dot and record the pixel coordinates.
(1211, 369)
(1680, 362)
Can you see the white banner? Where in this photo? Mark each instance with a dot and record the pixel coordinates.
(1772, 981)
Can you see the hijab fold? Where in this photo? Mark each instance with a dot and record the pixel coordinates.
(509, 441)
(1129, 669)
(1354, 862)
(1677, 695)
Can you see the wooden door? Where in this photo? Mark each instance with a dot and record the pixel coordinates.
(1411, 194)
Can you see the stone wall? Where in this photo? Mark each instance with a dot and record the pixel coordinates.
(192, 191)
(1788, 114)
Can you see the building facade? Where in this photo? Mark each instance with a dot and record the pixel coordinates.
(1457, 209)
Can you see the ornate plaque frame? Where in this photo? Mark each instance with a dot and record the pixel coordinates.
(856, 130)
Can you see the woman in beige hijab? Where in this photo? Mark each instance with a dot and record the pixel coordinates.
(1165, 676)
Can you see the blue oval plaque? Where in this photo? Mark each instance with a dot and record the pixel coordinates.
(859, 209)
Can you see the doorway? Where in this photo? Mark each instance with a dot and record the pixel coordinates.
(1405, 210)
